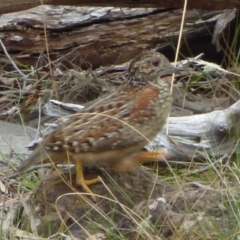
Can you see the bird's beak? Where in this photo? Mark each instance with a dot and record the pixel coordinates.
(170, 70)
(173, 69)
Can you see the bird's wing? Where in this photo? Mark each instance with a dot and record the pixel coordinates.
(116, 121)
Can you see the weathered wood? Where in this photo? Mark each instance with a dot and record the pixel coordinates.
(95, 36)
(14, 6)
(13, 141)
(201, 136)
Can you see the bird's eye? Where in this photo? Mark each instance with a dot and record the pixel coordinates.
(155, 62)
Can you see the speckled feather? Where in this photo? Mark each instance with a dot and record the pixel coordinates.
(125, 120)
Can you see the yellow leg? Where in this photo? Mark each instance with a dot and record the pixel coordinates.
(142, 157)
(80, 181)
(145, 156)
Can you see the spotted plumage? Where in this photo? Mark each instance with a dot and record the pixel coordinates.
(116, 127)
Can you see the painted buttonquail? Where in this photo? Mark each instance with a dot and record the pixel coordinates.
(113, 130)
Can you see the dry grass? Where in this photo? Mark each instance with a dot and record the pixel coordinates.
(204, 204)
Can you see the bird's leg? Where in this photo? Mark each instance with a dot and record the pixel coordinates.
(142, 157)
(145, 156)
(80, 181)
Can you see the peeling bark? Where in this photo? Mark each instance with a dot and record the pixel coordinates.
(8, 6)
(95, 36)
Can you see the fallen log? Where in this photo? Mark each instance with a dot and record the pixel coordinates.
(200, 136)
(93, 37)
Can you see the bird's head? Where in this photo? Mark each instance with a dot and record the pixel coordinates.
(148, 67)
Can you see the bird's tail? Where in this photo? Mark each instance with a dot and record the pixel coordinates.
(37, 157)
